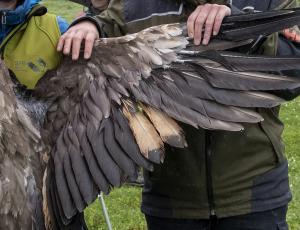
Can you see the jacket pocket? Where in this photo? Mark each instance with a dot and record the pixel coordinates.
(273, 129)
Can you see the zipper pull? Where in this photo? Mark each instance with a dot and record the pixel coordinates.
(212, 213)
(3, 18)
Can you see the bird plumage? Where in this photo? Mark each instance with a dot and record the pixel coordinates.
(21, 160)
(127, 101)
(112, 113)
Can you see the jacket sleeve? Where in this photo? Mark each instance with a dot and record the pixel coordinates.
(62, 24)
(112, 22)
(109, 22)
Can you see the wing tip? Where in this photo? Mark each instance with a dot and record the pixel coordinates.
(156, 156)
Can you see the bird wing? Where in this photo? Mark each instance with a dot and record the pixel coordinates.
(115, 111)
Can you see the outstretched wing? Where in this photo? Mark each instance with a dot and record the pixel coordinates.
(115, 111)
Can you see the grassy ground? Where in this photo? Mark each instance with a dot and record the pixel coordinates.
(290, 115)
(123, 204)
(63, 8)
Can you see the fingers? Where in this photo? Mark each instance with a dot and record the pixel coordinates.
(89, 43)
(222, 13)
(71, 41)
(76, 43)
(209, 25)
(60, 44)
(68, 43)
(206, 21)
(191, 22)
(199, 23)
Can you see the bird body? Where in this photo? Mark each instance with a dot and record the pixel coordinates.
(21, 163)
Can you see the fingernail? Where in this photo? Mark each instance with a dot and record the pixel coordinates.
(191, 35)
(197, 42)
(205, 42)
(215, 33)
(86, 56)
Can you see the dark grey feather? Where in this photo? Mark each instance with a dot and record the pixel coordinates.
(100, 98)
(108, 166)
(208, 108)
(252, 28)
(121, 158)
(61, 183)
(127, 142)
(91, 160)
(118, 87)
(182, 113)
(113, 95)
(243, 62)
(80, 169)
(198, 87)
(226, 79)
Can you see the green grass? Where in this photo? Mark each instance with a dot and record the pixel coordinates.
(124, 210)
(290, 115)
(64, 8)
(124, 204)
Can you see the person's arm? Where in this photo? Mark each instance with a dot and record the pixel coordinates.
(85, 30)
(208, 17)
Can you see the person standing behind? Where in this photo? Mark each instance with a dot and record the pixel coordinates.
(94, 6)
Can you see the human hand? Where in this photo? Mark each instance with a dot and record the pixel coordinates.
(70, 42)
(100, 4)
(292, 34)
(208, 17)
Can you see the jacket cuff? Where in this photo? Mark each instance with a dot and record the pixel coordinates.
(90, 19)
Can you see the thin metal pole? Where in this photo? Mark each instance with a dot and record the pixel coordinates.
(104, 210)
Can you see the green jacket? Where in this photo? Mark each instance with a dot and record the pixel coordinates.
(220, 173)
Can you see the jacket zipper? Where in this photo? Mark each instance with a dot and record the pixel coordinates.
(3, 20)
(208, 161)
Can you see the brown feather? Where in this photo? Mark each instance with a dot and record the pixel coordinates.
(148, 140)
(169, 131)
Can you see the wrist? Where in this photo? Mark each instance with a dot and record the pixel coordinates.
(90, 19)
